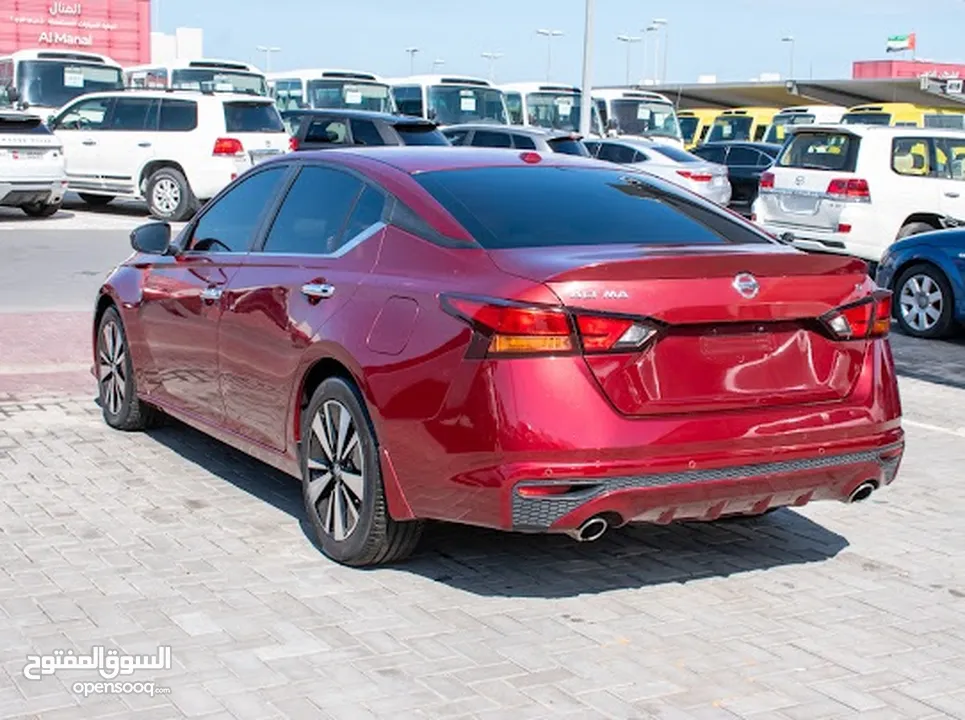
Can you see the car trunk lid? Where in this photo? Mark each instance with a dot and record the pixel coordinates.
(735, 326)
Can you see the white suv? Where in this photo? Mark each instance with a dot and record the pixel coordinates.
(174, 149)
(31, 165)
(855, 189)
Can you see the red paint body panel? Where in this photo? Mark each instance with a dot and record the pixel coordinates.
(120, 29)
(715, 415)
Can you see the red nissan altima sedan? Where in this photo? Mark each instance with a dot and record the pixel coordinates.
(538, 343)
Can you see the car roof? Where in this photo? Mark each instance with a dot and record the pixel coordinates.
(360, 114)
(183, 94)
(743, 143)
(859, 129)
(546, 133)
(413, 160)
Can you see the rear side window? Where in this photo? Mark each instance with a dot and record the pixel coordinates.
(511, 207)
(250, 117)
(837, 151)
(419, 134)
(568, 146)
(521, 142)
(456, 137)
(178, 115)
(364, 132)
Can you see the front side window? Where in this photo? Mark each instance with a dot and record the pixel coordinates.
(54, 83)
(453, 105)
(535, 206)
(178, 115)
(311, 218)
(364, 132)
(85, 115)
(252, 117)
(229, 223)
(836, 151)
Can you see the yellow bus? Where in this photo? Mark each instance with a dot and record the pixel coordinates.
(904, 115)
(749, 124)
(694, 125)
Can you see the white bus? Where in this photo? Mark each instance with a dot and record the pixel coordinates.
(205, 74)
(321, 88)
(638, 113)
(450, 99)
(802, 115)
(43, 81)
(537, 104)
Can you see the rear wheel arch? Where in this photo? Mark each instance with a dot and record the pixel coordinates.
(318, 372)
(916, 219)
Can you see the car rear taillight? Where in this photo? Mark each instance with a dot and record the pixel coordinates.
(850, 189)
(512, 328)
(293, 143)
(766, 181)
(228, 146)
(696, 176)
(868, 318)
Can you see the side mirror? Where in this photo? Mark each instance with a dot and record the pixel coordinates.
(13, 94)
(50, 120)
(152, 239)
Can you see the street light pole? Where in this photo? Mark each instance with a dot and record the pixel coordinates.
(492, 57)
(412, 52)
(657, 24)
(436, 63)
(268, 50)
(586, 96)
(549, 35)
(629, 40)
(646, 34)
(789, 39)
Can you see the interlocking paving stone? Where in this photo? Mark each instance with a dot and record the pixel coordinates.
(168, 538)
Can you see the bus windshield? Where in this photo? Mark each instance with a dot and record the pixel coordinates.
(645, 117)
(557, 111)
(688, 127)
(452, 105)
(345, 94)
(866, 118)
(777, 131)
(731, 127)
(54, 83)
(219, 80)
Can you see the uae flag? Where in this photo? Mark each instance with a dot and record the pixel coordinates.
(898, 43)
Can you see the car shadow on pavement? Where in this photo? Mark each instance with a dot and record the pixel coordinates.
(936, 361)
(492, 563)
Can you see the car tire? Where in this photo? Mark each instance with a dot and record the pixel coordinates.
(40, 209)
(913, 228)
(95, 200)
(169, 195)
(342, 482)
(116, 386)
(923, 301)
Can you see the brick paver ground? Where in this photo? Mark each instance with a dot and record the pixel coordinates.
(45, 353)
(134, 541)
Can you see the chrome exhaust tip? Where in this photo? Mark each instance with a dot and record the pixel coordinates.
(862, 492)
(592, 529)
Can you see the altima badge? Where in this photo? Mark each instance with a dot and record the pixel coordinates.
(747, 285)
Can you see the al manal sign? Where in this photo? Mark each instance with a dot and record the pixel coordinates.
(65, 15)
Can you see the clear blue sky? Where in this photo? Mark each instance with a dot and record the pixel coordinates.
(734, 39)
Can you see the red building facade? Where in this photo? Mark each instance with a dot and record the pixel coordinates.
(120, 29)
(894, 69)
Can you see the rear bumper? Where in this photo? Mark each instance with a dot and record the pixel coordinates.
(21, 192)
(864, 239)
(707, 494)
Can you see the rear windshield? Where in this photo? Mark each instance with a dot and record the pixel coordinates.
(821, 151)
(21, 126)
(676, 154)
(513, 207)
(418, 134)
(251, 117)
(568, 146)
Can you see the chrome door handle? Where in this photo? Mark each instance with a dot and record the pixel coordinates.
(89, 142)
(319, 291)
(211, 294)
(144, 144)
(951, 194)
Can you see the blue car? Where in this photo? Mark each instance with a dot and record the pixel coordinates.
(926, 273)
